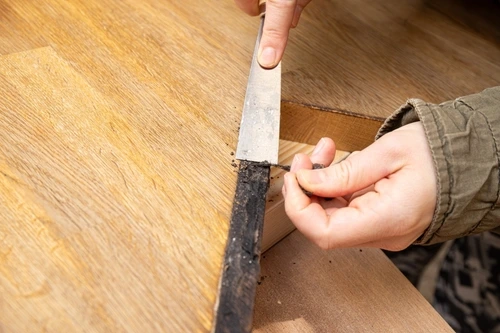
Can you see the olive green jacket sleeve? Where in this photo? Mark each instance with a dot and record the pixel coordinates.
(464, 137)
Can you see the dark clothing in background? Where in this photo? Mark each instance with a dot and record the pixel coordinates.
(467, 292)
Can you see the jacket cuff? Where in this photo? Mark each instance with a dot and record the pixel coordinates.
(462, 135)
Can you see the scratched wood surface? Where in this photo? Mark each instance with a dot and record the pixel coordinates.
(117, 123)
(304, 289)
(370, 56)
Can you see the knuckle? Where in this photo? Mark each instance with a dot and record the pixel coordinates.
(342, 174)
(394, 151)
(323, 243)
(323, 240)
(276, 33)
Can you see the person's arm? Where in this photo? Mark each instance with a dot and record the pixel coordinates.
(281, 16)
(432, 175)
(464, 137)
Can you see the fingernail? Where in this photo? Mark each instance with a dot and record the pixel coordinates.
(294, 162)
(318, 147)
(267, 57)
(283, 190)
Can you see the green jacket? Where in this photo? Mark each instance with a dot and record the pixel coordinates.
(464, 137)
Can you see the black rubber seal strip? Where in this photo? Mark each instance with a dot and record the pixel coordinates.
(241, 269)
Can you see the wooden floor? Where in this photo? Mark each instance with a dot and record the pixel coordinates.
(118, 120)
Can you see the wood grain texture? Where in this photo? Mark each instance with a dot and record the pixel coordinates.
(369, 57)
(305, 289)
(308, 124)
(94, 230)
(117, 120)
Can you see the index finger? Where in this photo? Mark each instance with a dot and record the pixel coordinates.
(342, 227)
(251, 7)
(308, 216)
(277, 24)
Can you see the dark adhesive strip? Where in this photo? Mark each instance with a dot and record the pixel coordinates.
(234, 308)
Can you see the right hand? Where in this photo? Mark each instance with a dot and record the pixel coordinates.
(281, 16)
(384, 196)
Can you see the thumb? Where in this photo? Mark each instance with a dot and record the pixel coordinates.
(356, 172)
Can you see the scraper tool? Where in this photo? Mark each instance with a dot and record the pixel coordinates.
(260, 122)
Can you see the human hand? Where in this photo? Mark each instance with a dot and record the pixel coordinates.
(281, 15)
(383, 196)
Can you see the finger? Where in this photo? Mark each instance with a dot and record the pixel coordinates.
(298, 11)
(300, 161)
(394, 228)
(339, 227)
(324, 152)
(376, 219)
(354, 173)
(279, 15)
(359, 193)
(354, 226)
(330, 205)
(351, 196)
(251, 7)
(307, 216)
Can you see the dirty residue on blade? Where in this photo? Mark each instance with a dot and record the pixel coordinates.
(259, 130)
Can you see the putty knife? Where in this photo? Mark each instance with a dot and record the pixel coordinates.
(260, 122)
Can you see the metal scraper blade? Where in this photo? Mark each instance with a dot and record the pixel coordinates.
(260, 122)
